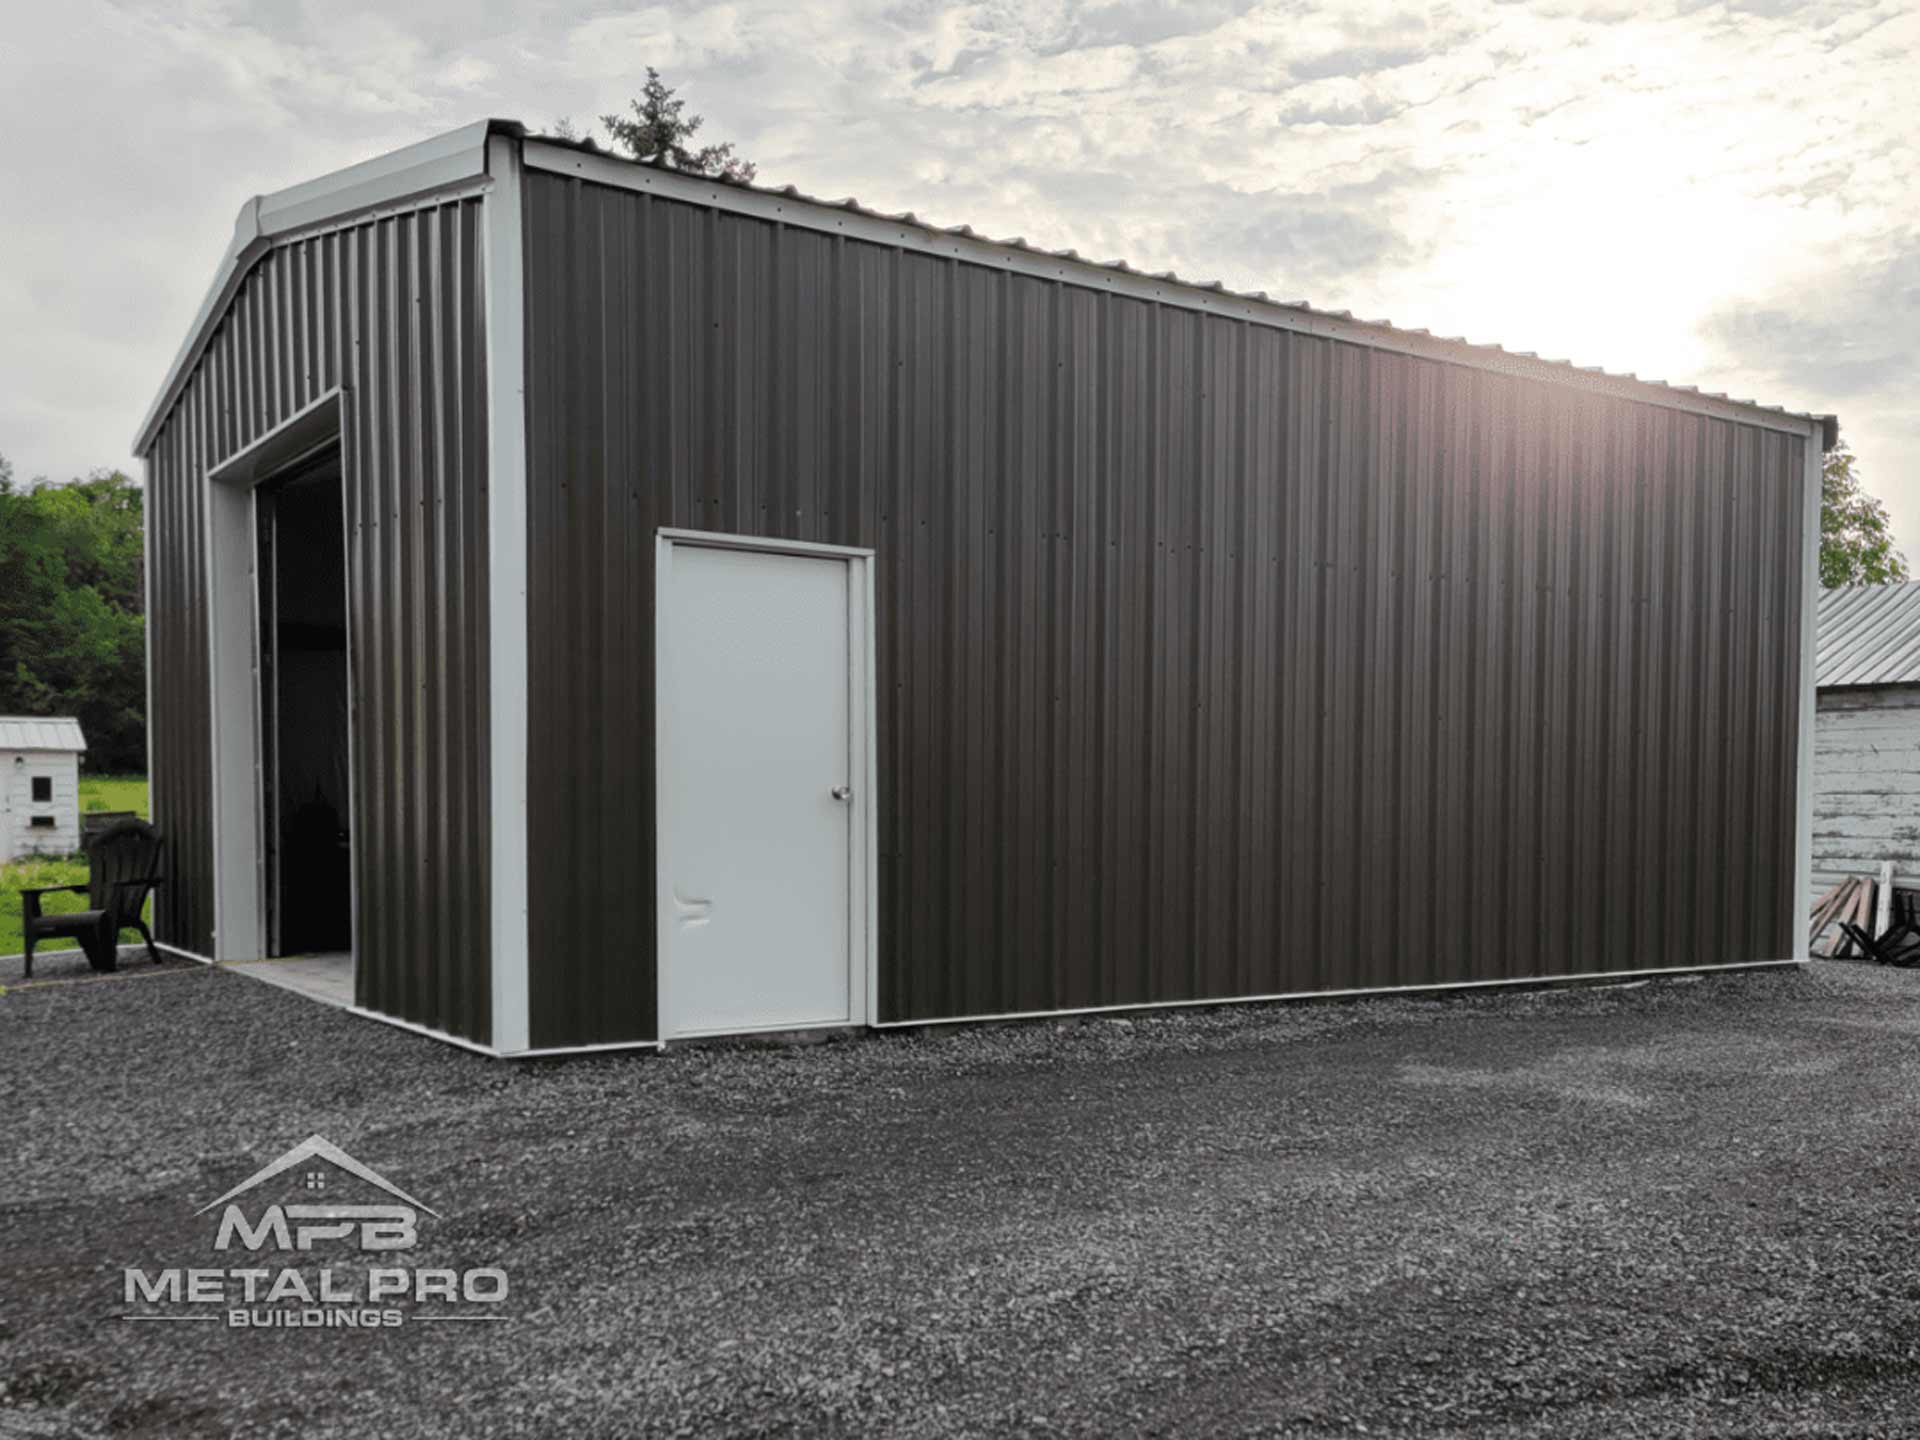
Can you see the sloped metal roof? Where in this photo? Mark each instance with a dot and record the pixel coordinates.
(460, 156)
(33, 732)
(1456, 347)
(1869, 635)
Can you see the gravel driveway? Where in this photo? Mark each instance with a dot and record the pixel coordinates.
(1678, 1207)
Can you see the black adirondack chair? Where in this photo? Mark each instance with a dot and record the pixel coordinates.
(123, 866)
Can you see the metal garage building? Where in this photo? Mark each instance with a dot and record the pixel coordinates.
(651, 607)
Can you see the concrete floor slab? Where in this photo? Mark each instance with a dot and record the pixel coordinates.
(327, 978)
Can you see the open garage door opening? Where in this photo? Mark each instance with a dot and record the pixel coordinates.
(304, 707)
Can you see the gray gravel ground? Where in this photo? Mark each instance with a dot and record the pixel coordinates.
(1682, 1208)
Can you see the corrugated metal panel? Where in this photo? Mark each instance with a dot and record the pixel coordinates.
(28, 732)
(1453, 347)
(180, 788)
(392, 312)
(1214, 659)
(1869, 635)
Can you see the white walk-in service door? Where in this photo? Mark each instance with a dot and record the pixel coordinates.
(756, 791)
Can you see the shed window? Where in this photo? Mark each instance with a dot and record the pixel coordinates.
(43, 790)
(41, 822)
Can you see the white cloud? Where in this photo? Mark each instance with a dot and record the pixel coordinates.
(1672, 189)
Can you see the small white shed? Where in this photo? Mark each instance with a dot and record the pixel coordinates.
(1866, 735)
(39, 785)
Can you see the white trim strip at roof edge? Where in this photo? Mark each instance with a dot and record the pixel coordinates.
(441, 163)
(460, 156)
(910, 232)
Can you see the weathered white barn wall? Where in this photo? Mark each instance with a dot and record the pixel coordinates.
(1866, 784)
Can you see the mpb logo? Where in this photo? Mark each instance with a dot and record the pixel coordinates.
(290, 1229)
(300, 1227)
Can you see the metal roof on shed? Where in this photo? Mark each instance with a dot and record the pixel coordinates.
(1869, 635)
(34, 732)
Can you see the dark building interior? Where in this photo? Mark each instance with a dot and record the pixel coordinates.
(305, 709)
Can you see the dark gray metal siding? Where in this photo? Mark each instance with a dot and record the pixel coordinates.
(391, 311)
(179, 701)
(1213, 659)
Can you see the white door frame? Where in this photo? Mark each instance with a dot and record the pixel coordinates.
(234, 648)
(862, 860)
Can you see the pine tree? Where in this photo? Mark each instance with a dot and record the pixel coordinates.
(658, 130)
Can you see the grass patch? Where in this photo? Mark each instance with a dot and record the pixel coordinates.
(97, 792)
(114, 792)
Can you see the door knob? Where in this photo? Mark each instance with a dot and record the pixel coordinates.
(843, 792)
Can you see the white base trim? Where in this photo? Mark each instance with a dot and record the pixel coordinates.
(194, 956)
(475, 1046)
(803, 1028)
(1544, 981)
(415, 1028)
(487, 1050)
(655, 1045)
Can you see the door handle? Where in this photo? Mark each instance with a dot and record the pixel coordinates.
(843, 792)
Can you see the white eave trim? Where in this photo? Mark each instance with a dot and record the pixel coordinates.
(781, 208)
(445, 162)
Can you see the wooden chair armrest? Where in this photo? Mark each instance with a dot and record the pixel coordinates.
(39, 890)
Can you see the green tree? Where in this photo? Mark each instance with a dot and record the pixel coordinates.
(1856, 538)
(72, 632)
(658, 131)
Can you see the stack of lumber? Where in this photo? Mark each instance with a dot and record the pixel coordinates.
(1864, 919)
(1851, 900)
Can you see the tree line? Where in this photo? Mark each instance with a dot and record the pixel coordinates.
(72, 602)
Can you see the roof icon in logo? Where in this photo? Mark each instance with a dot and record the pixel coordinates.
(319, 1147)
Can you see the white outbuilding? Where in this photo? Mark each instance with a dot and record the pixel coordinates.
(39, 785)
(1866, 736)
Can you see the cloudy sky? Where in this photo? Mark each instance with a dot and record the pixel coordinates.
(1722, 195)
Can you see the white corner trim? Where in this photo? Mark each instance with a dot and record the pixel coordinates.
(146, 641)
(1809, 655)
(507, 595)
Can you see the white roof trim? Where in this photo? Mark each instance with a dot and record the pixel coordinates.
(444, 162)
(788, 206)
(459, 157)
